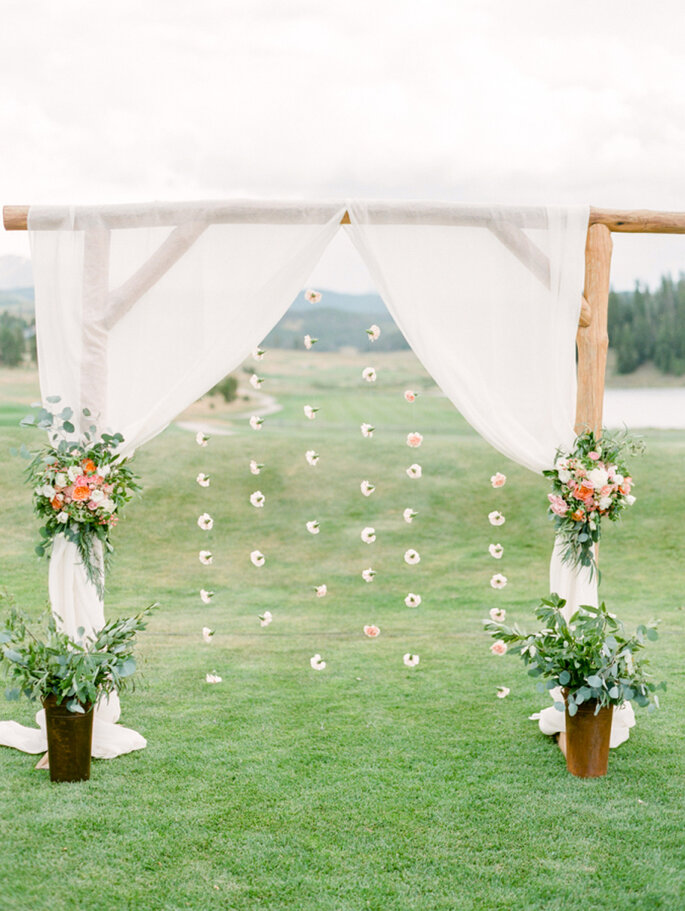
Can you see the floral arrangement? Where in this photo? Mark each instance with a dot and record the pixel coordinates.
(589, 483)
(79, 486)
(589, 655)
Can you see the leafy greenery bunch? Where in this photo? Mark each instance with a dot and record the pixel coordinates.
(79, 485)
(589, 483)
(589, 656)
(76, 672)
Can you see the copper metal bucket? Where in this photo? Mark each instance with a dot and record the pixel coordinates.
(70, 737)
(587, 740)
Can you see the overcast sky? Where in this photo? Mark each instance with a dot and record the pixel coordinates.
(491, 101)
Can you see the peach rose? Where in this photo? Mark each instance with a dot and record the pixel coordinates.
(57, 502)
(88, 466)
(499, 647)
(81, 492)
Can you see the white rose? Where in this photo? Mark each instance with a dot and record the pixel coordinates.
(97, 496)
(61, 479)
(108, 505)
(46, 491)
(598, 477)
(564, 475)
(604, 502)
(630, 499)
(103, 470)
(74, 472)
(63, 517)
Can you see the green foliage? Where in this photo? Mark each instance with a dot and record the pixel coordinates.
(228, 388)
(12, 344)
(649, 325)
(76, 672)
(68, 476)
(589, 656)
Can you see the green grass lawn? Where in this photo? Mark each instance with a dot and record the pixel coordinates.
(367, 785)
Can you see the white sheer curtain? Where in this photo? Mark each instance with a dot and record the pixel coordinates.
(140, 310)
(489, 299)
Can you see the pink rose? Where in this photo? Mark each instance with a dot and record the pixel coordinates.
(594, 456)
(498, 480)
(372, 631)
(558, 505)
(499, 647)
(414, 439)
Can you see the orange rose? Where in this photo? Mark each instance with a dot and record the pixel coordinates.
(88, 465)
(80, 493)
(56, 503)
(578, 515)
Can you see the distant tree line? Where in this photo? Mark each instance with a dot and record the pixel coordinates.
(17, 340)
(649, 325)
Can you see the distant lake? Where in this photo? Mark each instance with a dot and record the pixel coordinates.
(659, 408)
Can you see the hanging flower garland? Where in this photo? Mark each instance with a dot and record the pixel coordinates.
(589, 483)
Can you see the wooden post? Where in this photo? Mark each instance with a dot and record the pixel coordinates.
(593, 340)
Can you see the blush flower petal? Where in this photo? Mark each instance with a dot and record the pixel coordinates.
(414, 439)
(206, 557)
(256, 422)
(496, 551)
(201, 438)
(368, 535)
(373, 332)
(317, 663)
(312, 296)
(310, 412)
(321, 591)
(213, 678)
(313, 527)
(256, 381)
(368, 574)
(311, 456)
(498, 480)
(367, 488)
(367, 430)
(202, 480)
(369, 374)
(205, 521)
(414, 471)
(257, 499)
(496, 518)
(409, 515)
(372, 631)
(410, 395)
(498, 614)
(503, 692)
(411, 557)
(498, 580)
(410, 660)
(255, 466)
(207, 634)
(258, 354)
(499, 647)
(206, 596)
(265, 618)
(309, 341)
(257, 558)
(412, 600)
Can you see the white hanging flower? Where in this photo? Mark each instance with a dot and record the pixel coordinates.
(409, 515)
(206, 596)
(205, 521)
(309, 341)
(368, 535)
(201, 438)
(372, 631)
(97, 496)
(313, 527)
(367, 488)
(411, 557)
(498, 480)
(414, 471)
(256, 422)
(321, 591)
(213, 678)
(498, 580)
(496, 551)
(257, 499)
(411, 660)
(414, 439)
(368, 574)
(74, 472)
(257, 558)
(374, 332)
(317, 663)
(256, 381)
(62, 478)
(258, 354)
(255, 467)
(367, 430)
(47, 491)
(310, 412)
(311, 456)
(206, 557)
(312, 296)
(62, 518)
(412, 600)
(265, 618)
(369, 374)
(202, 480)
(503, 692)
(496, 518)
(207, 634)
(497, 614)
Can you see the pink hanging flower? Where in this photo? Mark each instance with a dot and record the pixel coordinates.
(309, 341)
(410, 396)
(367, 488)
(372, 631)
(257, 499)
(498, 581)
(499, 647)
(595, 456)
(367, 430)
(410, 660)
(496, 518)
(368, 574)
(498, 480)
(414, 471)
(369, 374)
(321, 591)
(312, 296)
(257, 558)
(310, 412)
(557, 504)
(497, 614)
(373, 333)
(368, 535)
(256, 422)
(496, 551)
(414, 440)
(412, 600)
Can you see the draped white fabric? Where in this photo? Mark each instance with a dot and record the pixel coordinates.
(141, 309)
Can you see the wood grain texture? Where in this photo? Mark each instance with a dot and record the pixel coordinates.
(593, 340)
